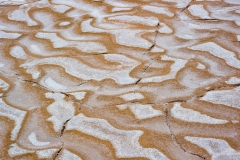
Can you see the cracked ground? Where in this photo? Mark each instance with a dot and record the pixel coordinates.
(120, 79)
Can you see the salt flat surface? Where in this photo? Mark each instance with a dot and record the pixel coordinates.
(119, 79)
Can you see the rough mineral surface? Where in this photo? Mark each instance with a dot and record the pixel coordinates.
(119, 79)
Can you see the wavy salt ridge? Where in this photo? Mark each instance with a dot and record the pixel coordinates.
(219, 149)
(52, 84)
(141, 111)
(60, 110)
(125, 142)
(199, 11)
(33, 139)
(219, 52)
(126, 37)
(9, 35)
(226, 97)
(158, 10)
(3, 85)
(22, 16)
(15, 150)
(13, 114)
(18, 52)
(80, 70)
(165, 29)
(233, 80)
(179, 3)
(149, 21)
(47, 153)
(132, 96)
(190, 115)
(82, 46)
(179, 64)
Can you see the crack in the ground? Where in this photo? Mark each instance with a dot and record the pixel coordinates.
(154, 40)
(58, 153)
(224, 86)
(174, 101)
(207, 19)
(81, 83)
(64, 127)
(188, 5)
(136, 102)
(185, 8)
(174, 138)
(138, 80)
(34, 82)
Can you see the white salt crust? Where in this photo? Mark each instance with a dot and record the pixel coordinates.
(60, 8)
(201, 66)
(132, 96)
(64, 23)
(125, 142)
(179, 3)
(78, 95)
(82, 46)
(217, 148)
(178, 64)
(149, 21)
(53, 84)
(3, 85)
(15, 150)
(238, 37)
(219, 52)
(47, 153)
(22, 16)
(33, 139)
(199, 11)
(189, 115)
(118, 9)
(165, 29)
(156, 49)
(2, 65)
(233, 80)
(18, 52)
(67, 155)
(14, 114)
(117, 3)
(158, 10)
(8, 35)
(225, 97)
(60, 110)
(141, 111)
(80, 70)
(126, 37)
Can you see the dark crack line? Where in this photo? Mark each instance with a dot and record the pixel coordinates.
(136, 102)
(138, 80)
(154, 40)
(31, 81)
(152, 61)
(207, 19)
(174, 138)
(185, 8)
(58, 153)
(64, 127)
(82, 83)
(174, 101)
(224, 86)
